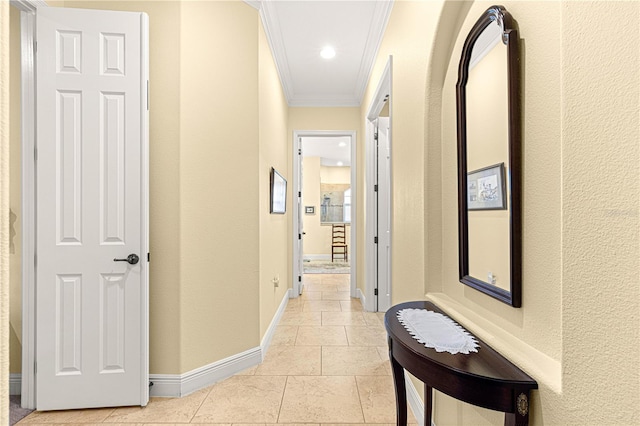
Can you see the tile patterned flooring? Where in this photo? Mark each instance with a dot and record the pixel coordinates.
(327, 365)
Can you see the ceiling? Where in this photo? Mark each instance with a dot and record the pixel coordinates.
(298, 30)
(330, 149)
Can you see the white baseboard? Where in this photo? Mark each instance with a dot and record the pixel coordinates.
(15, 384)
(177, 385)
(268, 335)
(360, 295)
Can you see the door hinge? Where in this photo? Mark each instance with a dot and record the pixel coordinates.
(299, 278)
(148, 257)
(299, 194)
(375, 188)
(375, 291)
(299, 151)
(299, 236)
(375, 240)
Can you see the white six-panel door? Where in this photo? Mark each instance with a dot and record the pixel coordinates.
(91, 343)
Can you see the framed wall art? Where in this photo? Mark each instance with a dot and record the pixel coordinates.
(278, 193)
(486, 188)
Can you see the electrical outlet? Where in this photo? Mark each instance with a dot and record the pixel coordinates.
(276, 281)
(492, 278)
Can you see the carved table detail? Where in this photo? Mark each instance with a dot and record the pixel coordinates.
(484, 378)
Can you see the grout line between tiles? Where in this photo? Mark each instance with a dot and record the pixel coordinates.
(195, 413)
(364, 419)
(286, 382)
(110, 414)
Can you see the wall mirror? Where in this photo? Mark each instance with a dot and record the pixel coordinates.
(489, 139)
(335, 203)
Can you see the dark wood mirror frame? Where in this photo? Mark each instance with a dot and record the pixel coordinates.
(511, 40)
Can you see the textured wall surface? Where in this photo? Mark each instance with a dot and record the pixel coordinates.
(219, 178)
(4, 212)
(580, 217)
(274, 228)
(600, 215)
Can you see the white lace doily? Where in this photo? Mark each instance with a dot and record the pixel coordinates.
(437, 331)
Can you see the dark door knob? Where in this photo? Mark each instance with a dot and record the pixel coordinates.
(131, 259)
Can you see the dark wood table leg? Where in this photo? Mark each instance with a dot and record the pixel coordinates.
(521, 415)
(515, 419)
(428, 405)
(401, 389)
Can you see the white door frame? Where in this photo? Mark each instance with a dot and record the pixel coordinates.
(297, 161)
(383, 92)
(28, 10)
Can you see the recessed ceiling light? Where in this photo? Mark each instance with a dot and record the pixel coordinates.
(328, 52)
(340, 163)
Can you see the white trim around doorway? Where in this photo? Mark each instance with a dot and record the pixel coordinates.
(382, 94)
(28, 144)
(297, 159)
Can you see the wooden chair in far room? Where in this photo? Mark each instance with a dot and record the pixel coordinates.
(339, 247)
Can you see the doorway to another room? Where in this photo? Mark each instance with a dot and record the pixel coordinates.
(324, 223)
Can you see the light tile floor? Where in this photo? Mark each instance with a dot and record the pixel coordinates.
(327, 364)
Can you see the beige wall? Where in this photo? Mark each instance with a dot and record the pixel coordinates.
(273, 152)
(409, 35)
(4, 211)
(543, 336)
(600, 240)
(207, 147)
(578, 251)
(541, 301)
(307, 118)
(219, 177)
(335, 174)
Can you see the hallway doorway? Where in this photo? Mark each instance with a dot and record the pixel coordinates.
(378, 209)
(324, 207)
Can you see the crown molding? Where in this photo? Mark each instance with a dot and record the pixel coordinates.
(381, 16)
(273, 32)
(28, 5)
(254, 3)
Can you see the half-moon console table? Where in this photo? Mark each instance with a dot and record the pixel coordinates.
(484, 378)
